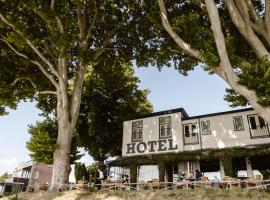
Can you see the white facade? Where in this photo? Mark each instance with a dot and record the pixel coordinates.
(240, 128)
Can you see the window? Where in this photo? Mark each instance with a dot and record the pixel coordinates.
(238, 123)
(165, 127)
(205, 125)
(256, 122)
(190, 130)
(262, 122)
(190, 133)
(137, 130)
(193, 129)
(252, 122)
(186, 129)
(36, 174)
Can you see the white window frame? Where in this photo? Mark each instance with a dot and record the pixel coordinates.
(165, 126)
(36, 175)
(241, 127)
(191, 133)
(205, 127)
(137, 131)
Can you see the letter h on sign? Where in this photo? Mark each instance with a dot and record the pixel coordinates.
(131, 148)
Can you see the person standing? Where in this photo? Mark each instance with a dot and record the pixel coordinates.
(198, 175)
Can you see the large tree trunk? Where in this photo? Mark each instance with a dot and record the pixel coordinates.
(61, 164)
(67, 115)
(61, 156)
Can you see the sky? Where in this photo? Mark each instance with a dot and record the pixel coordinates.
(198, 93)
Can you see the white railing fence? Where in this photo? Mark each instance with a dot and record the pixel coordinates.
(240, 184)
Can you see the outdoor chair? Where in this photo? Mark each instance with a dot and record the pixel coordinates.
(205, 182)
(231, 182)
(255, 182)
(155, 184)
(181, 185)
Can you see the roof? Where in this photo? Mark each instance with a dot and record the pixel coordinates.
(219, 113)
(185, 115)
(165, 112)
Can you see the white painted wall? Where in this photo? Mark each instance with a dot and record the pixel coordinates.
(151, 133)
(222, 133)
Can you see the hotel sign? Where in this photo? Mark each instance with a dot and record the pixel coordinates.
(151, 146)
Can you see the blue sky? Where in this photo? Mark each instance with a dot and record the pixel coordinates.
(198, 93)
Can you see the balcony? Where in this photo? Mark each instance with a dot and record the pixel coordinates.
(259, 132)
(191, 140)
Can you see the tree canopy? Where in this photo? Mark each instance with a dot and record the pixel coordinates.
(60, 41)
(4, 176)
(110, 96)
(228, 38)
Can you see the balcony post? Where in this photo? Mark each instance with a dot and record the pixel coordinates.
(222, 172)
(133, 175)
(249, 167)
(161, 171)
(227, 166)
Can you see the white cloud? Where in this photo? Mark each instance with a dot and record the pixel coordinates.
(9, 161)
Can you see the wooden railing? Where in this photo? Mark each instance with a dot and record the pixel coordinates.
(237, 184)
(259, 132)
(191, 140)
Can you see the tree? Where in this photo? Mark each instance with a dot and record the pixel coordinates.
(53, 44)
(229, 38)
(81, 172)
(93, 173)
(42, 142)
(110, 96)
(4, 176)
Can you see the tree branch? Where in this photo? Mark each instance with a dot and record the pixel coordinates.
(47, 92)
(267, 16)
(58, 20)
(255, 16)
(92, 23)
(219, 40)
(33, 84)
(232, 79)
(246, 31)
(49, 76)
(200, 4)
(51, 67)
(81, 21)
(101, 48)
(24, 78)
(13, 49)
(165, 22)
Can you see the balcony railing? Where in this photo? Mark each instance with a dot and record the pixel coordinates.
(260, 132)
(191, 140)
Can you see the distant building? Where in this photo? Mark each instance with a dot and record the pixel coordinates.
(159, 145)
(32, 174)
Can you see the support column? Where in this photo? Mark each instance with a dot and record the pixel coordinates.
(227, 165)
(133, 173)
(249, 167)
(161, 171)
(222, 172)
